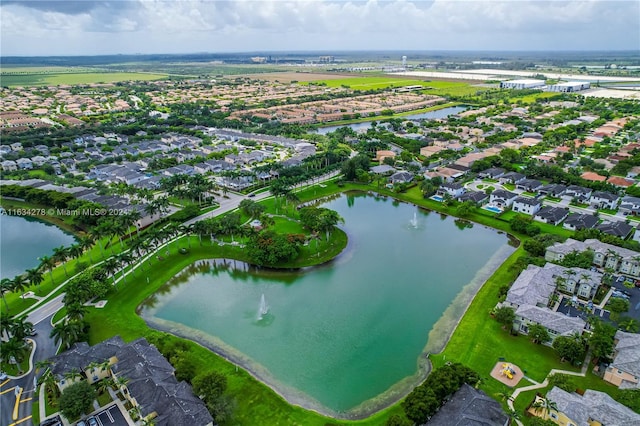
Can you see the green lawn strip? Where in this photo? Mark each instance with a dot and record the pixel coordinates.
(35, 410)
(256, 402)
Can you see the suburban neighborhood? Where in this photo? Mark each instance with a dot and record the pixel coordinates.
(159, 181)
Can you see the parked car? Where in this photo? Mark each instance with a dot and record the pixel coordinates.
(619, 294)
(3, 375)
(54, 421)
(91, 421)
(81, 423)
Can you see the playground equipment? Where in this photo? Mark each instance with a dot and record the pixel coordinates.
(507, 370)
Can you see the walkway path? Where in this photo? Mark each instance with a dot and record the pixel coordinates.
(545, 383)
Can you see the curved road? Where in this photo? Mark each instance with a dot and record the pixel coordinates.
(45, 348)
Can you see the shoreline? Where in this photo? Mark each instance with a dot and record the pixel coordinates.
(437, 339)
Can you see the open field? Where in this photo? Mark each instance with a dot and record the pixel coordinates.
(289, 76)
(371, 83)
(433, 87)
(53, 79)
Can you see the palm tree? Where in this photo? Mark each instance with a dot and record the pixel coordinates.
(111, 266)
(20, 328)
(14, 349)
(513, 416)
(544, 405)
(100, 231)
(67, 332)
(76, 311)
(49, 263)
(86, 243)
(34, 276)
(124, 259)
(75, 251)
(20, 283)
(73, 374)
(61, 254)
(50, 382)
(5, 325)
(6, 285)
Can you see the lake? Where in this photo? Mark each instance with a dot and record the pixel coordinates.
(23, 240)
(348, 337)
(439, 113)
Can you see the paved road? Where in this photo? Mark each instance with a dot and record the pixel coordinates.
(45, 348)
(234, 199)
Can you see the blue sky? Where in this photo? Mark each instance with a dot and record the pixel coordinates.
(43, 27)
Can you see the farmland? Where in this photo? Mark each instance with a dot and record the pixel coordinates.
(432, 87)
(52, 76)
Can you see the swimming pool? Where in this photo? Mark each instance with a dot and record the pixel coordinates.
(437, 198)
(493, 209)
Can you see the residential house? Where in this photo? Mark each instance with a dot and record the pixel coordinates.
(578, 221)
(9, 166)
(593, 408)
(605, 255)
(552, 215)
(477, 197)
(617, 229)
(580, 193)
(512, 177)
(604, 200)
(501, 198)
(469, 406)
(151, 387)
(24, 164)
(620, 182)
(629, 205)
(526, 205)
(401, 177)
(454, 190)
(383, 169)
(492, 173)
(529, 185)
(556, 323)
(624, 370)
(382, 154)
(38, 160)
(552, 190)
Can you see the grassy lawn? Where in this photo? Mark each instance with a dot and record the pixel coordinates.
(509, 186)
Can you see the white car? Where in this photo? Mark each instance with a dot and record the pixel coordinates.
(3, 375)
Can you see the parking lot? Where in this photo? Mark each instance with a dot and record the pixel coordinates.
(632, 294)
(111, 416)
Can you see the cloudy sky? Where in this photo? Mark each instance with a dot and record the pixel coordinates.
(87, 27)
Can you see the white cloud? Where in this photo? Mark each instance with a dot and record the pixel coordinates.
(30, 28)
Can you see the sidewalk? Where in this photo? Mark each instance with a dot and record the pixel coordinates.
(545, 383)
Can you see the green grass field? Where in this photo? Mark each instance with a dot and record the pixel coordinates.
(43, 78)
(372, 83)
(433, 87)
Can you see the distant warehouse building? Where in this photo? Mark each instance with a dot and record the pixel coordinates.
(522, 84)
(570, 86)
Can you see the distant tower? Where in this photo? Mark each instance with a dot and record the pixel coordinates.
(404, 62)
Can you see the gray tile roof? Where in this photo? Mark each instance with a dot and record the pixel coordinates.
(593, 405)
(627, 353)
(562, 324)
(581, 221)
(617, 229)
(572, 245)
(151, 379)
(469, 406)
